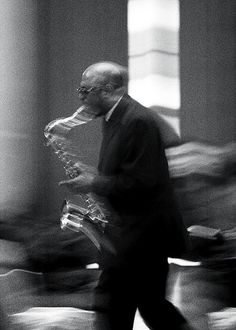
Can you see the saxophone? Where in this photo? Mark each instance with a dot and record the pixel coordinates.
(91, 220)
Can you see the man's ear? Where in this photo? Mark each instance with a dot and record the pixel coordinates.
(110, 87)
(107, 90)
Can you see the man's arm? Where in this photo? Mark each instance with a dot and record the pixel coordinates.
(140, 169)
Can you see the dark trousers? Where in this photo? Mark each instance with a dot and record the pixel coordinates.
(130, 286)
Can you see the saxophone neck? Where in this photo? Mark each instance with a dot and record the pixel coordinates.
(60, 127)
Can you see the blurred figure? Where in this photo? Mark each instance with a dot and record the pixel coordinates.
(223, 320)
(205, 184)
(43, 266)
(133, 176)
(169, 136)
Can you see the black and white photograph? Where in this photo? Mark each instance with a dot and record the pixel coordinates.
(118, 165)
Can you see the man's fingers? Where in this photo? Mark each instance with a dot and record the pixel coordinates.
(66, 182)
(62, 183)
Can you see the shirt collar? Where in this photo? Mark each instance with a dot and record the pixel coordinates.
(110, 112)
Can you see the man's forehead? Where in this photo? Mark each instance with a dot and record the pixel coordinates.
(91, 77)
(88, 77)
(87, 74)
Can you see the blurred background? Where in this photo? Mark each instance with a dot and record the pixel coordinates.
(181, 56)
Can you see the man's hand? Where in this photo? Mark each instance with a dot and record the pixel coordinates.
(83, 183)
(83, 168)
(79, 185)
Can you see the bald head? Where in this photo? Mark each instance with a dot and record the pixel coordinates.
(107, 73)
(102, 85)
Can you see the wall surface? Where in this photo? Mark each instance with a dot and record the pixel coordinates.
(208, 69)
(18, 90)
(45, 46)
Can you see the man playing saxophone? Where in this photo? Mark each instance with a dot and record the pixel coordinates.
(133, 176)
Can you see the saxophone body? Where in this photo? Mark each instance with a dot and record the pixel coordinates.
(92, 219)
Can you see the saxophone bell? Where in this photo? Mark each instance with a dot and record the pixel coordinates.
(69, 207)
(76, 218)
